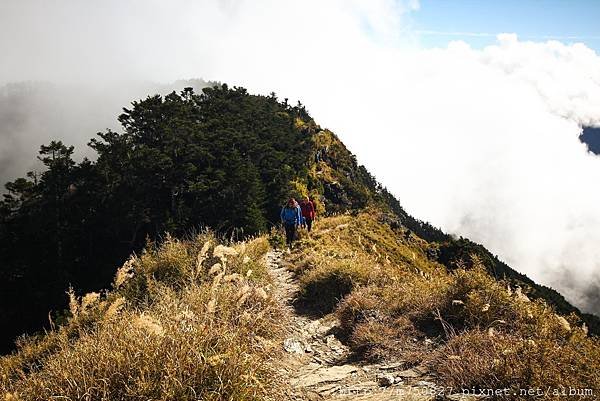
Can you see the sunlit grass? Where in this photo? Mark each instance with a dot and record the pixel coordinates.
(468, 328)
(186, 320)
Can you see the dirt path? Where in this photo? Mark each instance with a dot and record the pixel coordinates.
(317, 364)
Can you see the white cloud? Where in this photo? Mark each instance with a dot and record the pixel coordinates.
(481, 142)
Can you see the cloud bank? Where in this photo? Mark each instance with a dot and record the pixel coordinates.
(481, 142)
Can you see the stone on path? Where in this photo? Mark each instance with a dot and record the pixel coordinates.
(385, 379)
(293, 346)
(332, 377)
(324, 375)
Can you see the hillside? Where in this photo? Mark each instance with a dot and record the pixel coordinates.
(186, 320)
(403, 314)
(222, 159)
(195, 314)
(358, 310)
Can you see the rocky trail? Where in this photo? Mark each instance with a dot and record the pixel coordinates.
(318, 365)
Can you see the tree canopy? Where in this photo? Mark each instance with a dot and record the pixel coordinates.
(221, 159)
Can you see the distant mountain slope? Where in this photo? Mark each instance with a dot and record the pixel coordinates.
(591, 137)
(224, 159)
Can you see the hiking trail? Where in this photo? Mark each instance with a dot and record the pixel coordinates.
(318, 366)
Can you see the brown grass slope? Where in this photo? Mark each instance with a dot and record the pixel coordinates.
(194, 319)
(340, 184)
(470, 329)
(186, 320)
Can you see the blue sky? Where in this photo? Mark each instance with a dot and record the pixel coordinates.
(529, 19)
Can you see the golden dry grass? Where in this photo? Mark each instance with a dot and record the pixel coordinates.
(186, 320)
(195, 319)
(468, 328)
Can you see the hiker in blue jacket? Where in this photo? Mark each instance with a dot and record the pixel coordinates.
(291, 217)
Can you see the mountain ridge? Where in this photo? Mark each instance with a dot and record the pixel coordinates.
(180, 163)
(397, 286)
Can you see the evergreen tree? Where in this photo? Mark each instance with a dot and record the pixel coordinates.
(221, 159)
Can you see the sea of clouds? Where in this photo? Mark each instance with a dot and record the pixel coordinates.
(481, 142)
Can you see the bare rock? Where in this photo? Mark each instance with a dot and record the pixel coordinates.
(325, 375)
(293, 346)
(385, 379)
(328, 389)
(333, 342)
(391, 366)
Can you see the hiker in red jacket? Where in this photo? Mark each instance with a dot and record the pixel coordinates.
(308, 213)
